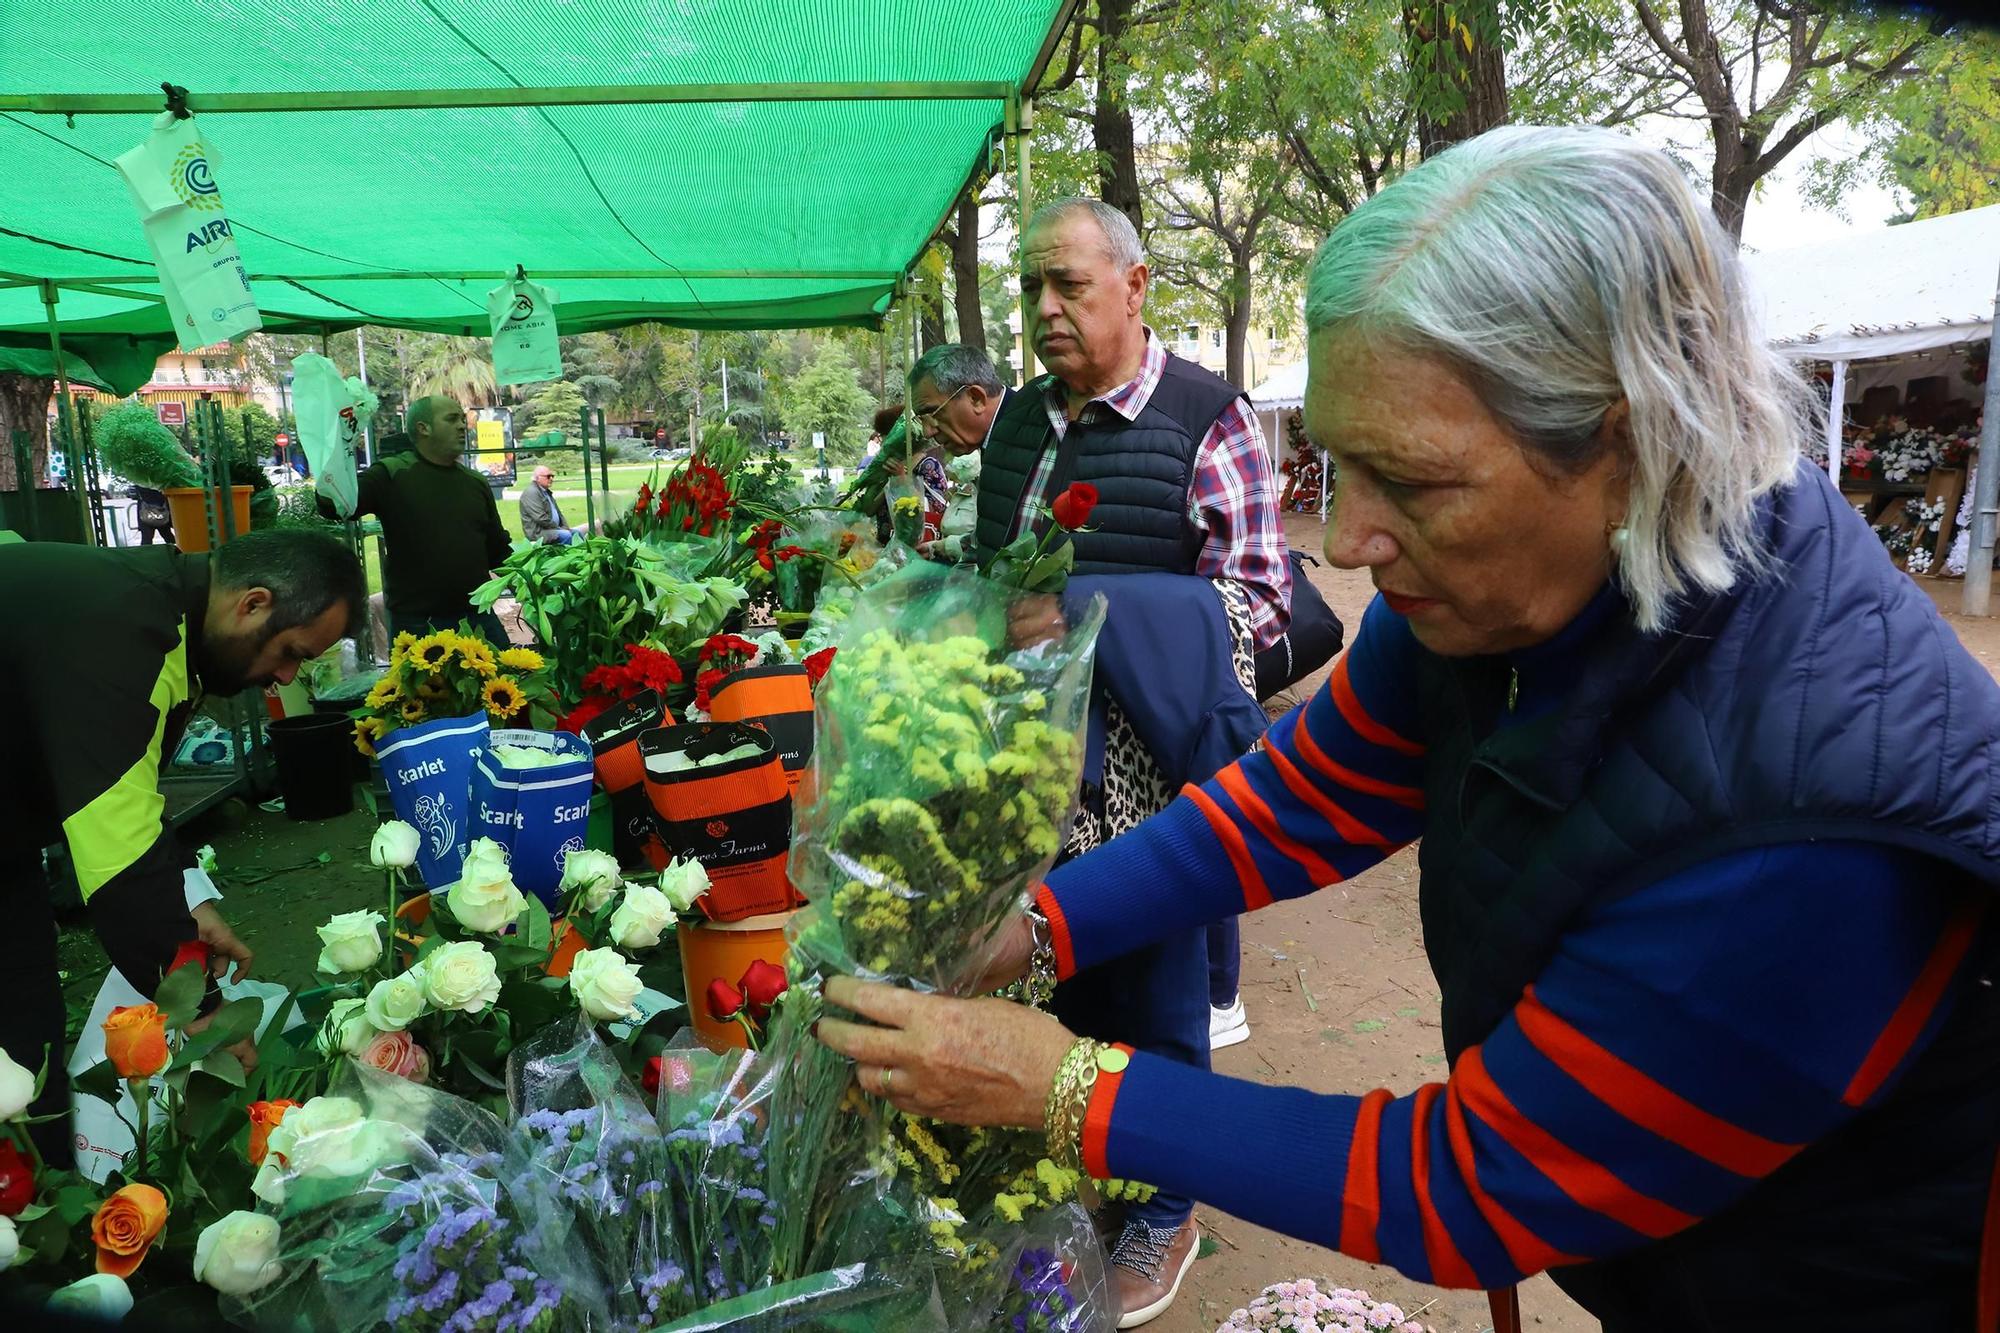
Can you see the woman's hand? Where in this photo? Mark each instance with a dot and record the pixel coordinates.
(1006, 957)
(969, 1062)
(224, 947)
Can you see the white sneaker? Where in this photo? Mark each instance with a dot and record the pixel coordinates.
(1227, 1027)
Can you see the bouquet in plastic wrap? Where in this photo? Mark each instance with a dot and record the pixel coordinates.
(392, 1206)
(944, 776)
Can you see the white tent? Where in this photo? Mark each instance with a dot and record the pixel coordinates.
(1882, 293)
(1285, 391)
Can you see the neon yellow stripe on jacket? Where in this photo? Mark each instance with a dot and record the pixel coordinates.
(123, 821)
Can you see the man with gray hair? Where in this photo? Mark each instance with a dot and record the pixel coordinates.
(439, 522)
(1183, 486)
(956, 397)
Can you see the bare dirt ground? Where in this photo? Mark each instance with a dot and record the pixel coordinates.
(1339, 995)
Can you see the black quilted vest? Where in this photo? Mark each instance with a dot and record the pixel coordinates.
(1142, 470)
(1826, 700)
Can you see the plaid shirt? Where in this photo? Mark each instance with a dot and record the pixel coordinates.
(1232, 500)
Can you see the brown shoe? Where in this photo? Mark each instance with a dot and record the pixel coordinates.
(1147, 1266)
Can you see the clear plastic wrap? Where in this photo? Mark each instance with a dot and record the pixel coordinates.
(857, 1298)
(1046, 1275)
(392, 1208)
(944, 776)
(587, 1152)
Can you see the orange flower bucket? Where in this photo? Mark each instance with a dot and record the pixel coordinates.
(725, 950)
(190, 514)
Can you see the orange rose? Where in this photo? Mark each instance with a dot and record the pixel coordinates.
(126, 1226)
(264, 1117)
(135, 1040)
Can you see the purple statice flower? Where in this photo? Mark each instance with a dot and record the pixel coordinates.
(440, 1293)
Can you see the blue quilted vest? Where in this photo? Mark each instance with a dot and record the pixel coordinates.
(1142, 470)
(1825, 699)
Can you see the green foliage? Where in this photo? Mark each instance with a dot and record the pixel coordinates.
(826, 397)
(558, 405)
(132, 443)
(1937, 139)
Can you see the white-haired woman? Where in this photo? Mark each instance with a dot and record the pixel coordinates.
(1705, 789)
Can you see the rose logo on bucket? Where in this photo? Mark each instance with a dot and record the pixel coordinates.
(717, 829)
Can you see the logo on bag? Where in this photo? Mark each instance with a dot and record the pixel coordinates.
(717, 829)
(203, 237)
(432, 819)
(524, 307)
(192, 180)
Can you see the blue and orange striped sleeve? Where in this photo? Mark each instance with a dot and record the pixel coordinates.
(1659, 1067)
(1335, 788)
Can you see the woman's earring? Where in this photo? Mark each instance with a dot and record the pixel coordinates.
(1620, 538)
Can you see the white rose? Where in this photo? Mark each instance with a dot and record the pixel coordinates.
(353, 942)
(596, 873)
(238, 1254)
(269, 1183)
(461, 976)
(683, 882)
(347, 1030)
(395, 1002)
(10, 1244)
(485, 899)
(641, 917)
(100, 1296)
(347, 1152)
(17, 1088)
(394, 846)
(605, 985)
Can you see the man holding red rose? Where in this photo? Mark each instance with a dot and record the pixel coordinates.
(1157, 473)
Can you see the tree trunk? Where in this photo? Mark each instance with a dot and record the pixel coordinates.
(1111, 119)
(1735, 178)
(1236, 323)
(930, 322)
(1464, 91)
(965, 273)
(24, 406)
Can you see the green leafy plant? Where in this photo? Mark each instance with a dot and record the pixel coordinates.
(132, 442)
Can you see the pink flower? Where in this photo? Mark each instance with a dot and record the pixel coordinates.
(396, 1053)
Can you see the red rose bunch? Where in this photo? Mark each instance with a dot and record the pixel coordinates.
(1072, 508)
(749, 1001)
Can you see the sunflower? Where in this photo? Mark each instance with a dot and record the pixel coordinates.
(475, 654)
(401, 648)
(383, 693)
(367, 731)
(413, 710)
(503, 696)
(433, 691)
(521, 659)
(432, 651)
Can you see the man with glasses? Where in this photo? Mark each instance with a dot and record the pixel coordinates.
(955, 397)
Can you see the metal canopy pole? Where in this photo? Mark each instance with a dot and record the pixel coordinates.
(1020, 125)
(1986, 492)
(66, 417)
(506, 96)
(1836, 418)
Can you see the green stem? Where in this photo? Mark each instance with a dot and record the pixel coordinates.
(142, 1093)
(394, 948)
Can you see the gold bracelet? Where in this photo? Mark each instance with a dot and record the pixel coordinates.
(1069, 1100)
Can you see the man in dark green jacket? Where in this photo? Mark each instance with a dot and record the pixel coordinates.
(439, 522)
(108, 651)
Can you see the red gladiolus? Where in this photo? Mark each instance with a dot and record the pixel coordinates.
(645, 498)
(764, 557)
(724, 1000)
(1072, 508)
(17, 1180)
(762, 984)
(191, 951)
(817, 664)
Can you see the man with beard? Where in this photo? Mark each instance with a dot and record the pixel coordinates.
(109, 652)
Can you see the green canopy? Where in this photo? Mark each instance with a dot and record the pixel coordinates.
(709, 163)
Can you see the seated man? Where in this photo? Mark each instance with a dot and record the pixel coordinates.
(541, 517)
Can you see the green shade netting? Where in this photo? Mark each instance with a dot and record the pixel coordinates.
(317, 198)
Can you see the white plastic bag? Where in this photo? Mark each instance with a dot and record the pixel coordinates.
(523, 315)
(172, 179)
(331, 413)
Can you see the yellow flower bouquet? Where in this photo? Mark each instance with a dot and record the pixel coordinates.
(451, 673)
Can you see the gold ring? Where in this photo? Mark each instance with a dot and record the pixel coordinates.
(887, 1075)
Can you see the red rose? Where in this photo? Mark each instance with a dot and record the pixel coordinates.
(191, 951)
(724, 1000)
(650, 1080)
(817, 664)
(1072, 508)
(17, 1180)
(762, 984)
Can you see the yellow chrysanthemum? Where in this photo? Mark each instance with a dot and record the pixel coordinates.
(521, 659)
(368, 731)
(503, 696)
(413, 710)
(432, 651)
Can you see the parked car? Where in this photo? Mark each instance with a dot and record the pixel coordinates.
(672, 455)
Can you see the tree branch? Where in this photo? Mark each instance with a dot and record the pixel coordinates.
(1662, 39)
